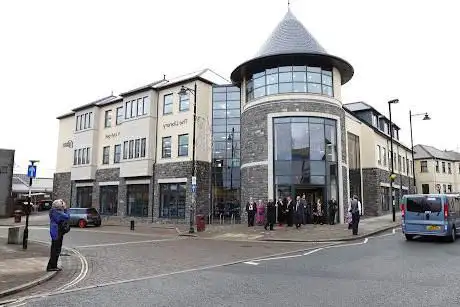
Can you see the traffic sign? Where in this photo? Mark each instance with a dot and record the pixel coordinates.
(193, 180)
(32, 171)
(193, 188)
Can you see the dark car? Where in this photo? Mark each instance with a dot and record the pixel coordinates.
(83, 217)
(43, 205)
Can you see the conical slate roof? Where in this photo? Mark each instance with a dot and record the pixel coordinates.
(290, 36)
(290, 43)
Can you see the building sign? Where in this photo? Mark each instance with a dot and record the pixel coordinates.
(112, 135)
(175, 123)
(68, 144)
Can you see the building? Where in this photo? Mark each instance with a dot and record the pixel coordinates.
(436, 171)
(6, 179)
(41, 189)
(278, 128)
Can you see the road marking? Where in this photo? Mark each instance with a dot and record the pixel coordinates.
(282, 257)
(394, 230)
(251, 262)
(313, 251)
(125, 243)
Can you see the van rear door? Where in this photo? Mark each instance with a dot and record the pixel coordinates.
(424, 214)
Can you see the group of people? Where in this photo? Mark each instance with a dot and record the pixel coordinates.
(291, 212)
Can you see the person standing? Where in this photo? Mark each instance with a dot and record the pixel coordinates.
(251, 210)
(355, 209)
(332, 210)
(58, 216)
(304, 203)
(260, 217)
(271, 214)
(281, 212)
(319, 211)
(298, 212)
(290, 212)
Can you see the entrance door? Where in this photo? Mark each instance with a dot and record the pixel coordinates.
(312, 194)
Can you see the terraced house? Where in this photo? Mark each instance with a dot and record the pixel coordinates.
(278, 128)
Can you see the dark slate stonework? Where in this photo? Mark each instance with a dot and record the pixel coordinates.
(372, 178)
(254, 137)
(345, 191)
(122, 196)
(355, 182)
(184, 170)
(62, 187)
(254, 184)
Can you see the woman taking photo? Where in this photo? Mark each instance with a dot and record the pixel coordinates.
(58, 227)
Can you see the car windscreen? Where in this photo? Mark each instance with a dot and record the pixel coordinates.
(423, 204)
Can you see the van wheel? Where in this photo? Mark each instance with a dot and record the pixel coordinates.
(82, 223)
(409, 237)
(453, 234)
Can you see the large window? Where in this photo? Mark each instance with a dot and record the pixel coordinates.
(108, 119)
(183, 145)
(168, 104)
(184, 103)
(83, 121)
(136, 107)
(226, 154)
(424, 166)
(105, 155)
(84, 197)
(108, 200)
(138, 200)
(166, 147)
(290, 79)
(81, 156)
(172, 200)
(134, 149)
(305, 154)
(117, 154)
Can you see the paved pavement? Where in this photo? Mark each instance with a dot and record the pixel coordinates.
(307, 233)
(379, 271)
(36, 218)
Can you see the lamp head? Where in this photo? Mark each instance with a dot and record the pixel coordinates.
(426, 117)
(183, 91)
(393, 101)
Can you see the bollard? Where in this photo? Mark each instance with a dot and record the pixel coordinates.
(132, 225)
(232, 220)
(221, 219)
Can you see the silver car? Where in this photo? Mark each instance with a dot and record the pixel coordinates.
(83, 217)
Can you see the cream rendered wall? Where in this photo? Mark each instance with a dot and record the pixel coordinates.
(131, 129)
(108, 136)
(337, 84)
(368, 144)
(178, 123)
(432, 178)
(64, 159)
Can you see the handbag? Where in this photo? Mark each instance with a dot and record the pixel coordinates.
(64, 227)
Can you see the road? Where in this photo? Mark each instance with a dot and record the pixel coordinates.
(380, 271)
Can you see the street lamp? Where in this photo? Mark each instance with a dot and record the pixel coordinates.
(425, 117)
(183, 91)
(28, 208)
(392, 176)
(231, 138)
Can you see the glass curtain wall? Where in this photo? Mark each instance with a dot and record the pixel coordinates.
(226, 184)
(305, 157)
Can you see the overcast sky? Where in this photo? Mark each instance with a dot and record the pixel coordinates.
(56, 55)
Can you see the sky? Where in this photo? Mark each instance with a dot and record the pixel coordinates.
(56, 55)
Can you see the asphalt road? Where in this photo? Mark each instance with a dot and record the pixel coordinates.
(383, 271)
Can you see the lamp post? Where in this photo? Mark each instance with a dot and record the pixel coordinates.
(392, 175)
(231, 138)
(183, 91)
(31, 172)
(425, 117)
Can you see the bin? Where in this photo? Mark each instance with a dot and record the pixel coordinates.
(200, 223)
(17, 216)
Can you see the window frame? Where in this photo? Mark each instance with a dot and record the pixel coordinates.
(163, 139)
(179, 145)
(108, 119)
(424, 166)
(119, 115)
(115, 154)
(106, 155)
(181, 100)
(171, 103)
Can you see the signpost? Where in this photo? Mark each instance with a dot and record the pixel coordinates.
(31, 173)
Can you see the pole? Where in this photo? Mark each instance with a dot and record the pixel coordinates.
(25, 237)
(231, 167)
(412, 151)
(193, 206)
(393, 209)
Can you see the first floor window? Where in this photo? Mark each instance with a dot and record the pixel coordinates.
(105, 154)
(143, 147)
(172, 200)
(424, 166)
(108, 199)
(125, 150)
(166, 147)
(131, 149)
(137, 200)
(183, 145)
(119, 115)
(117, 154)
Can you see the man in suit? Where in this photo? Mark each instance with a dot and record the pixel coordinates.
(251, 209)
(298, 212)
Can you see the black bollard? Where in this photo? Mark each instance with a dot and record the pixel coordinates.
(132, 225)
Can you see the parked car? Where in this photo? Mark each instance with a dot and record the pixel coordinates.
(83, 217)
(44, 205)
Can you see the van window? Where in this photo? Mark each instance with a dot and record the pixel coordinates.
(422, 204)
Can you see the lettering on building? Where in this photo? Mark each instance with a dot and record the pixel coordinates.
(68, 144)
(175, 123)
(112, 135)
